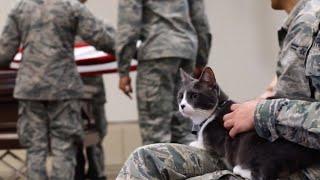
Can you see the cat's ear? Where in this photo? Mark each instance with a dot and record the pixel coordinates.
(185, 77)
(208, 77)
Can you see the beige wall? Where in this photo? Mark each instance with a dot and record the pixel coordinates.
(243, 54)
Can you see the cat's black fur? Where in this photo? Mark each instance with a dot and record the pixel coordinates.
(266, 160)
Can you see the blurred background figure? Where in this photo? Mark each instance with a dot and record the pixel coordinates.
(174, 34)
(95, 153)
(48, 86)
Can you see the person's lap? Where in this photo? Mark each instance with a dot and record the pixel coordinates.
(176, 161)
(169, 161)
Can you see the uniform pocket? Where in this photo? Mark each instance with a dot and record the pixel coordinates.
(301, 51)
(313, 65)
(301, 39)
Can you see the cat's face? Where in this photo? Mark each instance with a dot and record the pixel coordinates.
(198, 99)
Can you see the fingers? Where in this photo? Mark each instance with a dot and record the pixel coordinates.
(128, 94)
(128, 88)
(227, 116)
(128, 91)
(228, 124)
(234, 107)
(125, 86)
(233, 132)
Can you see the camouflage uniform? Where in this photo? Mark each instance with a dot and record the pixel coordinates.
(173, 34)
(95, 153)
(295, 120)
(48, 85)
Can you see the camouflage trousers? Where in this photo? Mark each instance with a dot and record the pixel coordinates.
(176, 161)
(157, 84)
(53, 127)
(95, 153)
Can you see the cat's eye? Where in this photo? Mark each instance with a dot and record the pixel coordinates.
(194, 96)
(180, 96)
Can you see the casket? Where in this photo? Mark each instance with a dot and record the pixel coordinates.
(90, 62)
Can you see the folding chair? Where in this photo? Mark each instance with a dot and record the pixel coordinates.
(8, 133)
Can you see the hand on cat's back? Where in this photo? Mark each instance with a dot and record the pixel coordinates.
(241, 118)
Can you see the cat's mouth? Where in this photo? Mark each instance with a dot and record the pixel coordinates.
(196, 115)
(186, 113)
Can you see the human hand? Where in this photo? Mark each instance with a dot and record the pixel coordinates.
(267, 94)
(125, 85)
(197, 71)
(241, 119)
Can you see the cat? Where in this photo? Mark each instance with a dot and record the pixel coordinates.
(249, 155)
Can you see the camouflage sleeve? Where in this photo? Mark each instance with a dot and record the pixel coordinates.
(93, 30)
(9, 41)
(295, 120)
(200, 22)
(129, 24)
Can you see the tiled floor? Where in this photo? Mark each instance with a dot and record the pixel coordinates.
(121, 140)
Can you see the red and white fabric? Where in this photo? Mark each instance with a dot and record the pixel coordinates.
(90, 62)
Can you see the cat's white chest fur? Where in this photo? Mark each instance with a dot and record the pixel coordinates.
(199, 142)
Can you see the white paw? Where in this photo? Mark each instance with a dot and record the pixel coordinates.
(245, 173)
(197, 144)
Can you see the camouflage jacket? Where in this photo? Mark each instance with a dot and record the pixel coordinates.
(175, 28)
(99, 97)
(46, 30)
(298, 78)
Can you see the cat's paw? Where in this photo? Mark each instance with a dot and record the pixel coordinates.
(197, 144)
(245, 173)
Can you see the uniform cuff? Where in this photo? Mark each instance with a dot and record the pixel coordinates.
(265, 119)
(123, 74)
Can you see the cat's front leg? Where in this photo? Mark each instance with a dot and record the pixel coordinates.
(245, 173)
(197, 144)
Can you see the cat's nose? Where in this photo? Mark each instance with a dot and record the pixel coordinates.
(182, 106)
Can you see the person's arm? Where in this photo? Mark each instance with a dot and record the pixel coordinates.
(200, 22)
(129, 26)
(295, 120)
(94, 31)
(9, 41)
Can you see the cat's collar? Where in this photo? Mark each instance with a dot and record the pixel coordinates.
(221, 106)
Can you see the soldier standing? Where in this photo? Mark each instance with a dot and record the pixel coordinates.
(95, 153)
(295, 120)
(48, 86)
(174, 34)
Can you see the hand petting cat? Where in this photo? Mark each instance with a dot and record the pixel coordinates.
(241, 119)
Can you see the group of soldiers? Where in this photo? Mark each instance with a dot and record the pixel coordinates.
(174, 34)
(49, 88)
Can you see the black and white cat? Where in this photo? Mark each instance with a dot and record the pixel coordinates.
(247, 154)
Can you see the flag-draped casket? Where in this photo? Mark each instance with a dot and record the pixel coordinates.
(90, 62)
